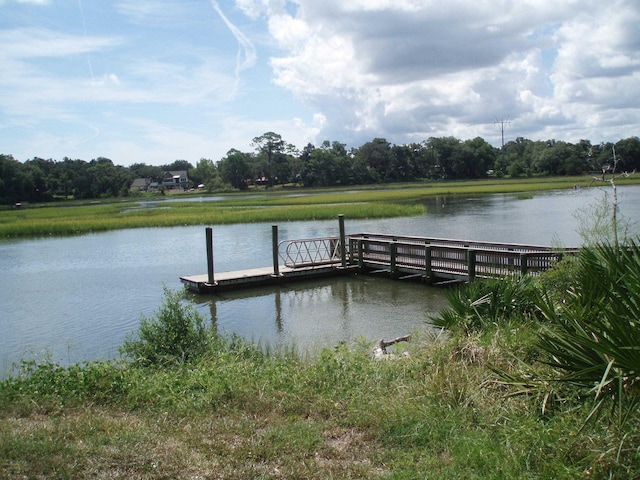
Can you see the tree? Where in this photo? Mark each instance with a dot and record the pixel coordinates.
(205, 172)
(628, 151)
(377, 158)
(234, 169)
(142, 170)
(472, 159)
(268, 146)
(177, 165)
(443, 148)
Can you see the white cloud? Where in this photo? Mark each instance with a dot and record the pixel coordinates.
(149, 79)
(411, 68)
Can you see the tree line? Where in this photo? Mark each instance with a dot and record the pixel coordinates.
(277, 162)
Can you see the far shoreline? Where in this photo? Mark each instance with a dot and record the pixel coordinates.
(264, 205)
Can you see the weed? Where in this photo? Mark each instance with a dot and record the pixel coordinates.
(177, 334)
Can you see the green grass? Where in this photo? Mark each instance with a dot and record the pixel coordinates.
(206, 406)
(270, 206)
(239, 413)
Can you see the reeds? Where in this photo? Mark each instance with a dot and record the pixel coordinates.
(267, 206)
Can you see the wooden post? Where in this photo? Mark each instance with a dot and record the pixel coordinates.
(427, 261)
(209, 235)
(393, 253)
(523, 264)
(360, 254)
(471, 262)
(274, 245)
(343, 248)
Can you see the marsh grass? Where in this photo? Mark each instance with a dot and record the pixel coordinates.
(268, 206)
(76, 220)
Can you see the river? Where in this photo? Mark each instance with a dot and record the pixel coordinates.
(76, 298)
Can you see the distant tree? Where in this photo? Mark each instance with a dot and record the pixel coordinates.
(377, 158)
(177, 165)
(142, 170)
(628, 152)
(269, 146)
(443, 148)
(235, 169)
(472, 159)
(205, 172)
(107, 179)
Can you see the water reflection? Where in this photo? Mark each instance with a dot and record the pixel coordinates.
(320, 313)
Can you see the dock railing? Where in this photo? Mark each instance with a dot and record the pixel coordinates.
(455, 259)
(311, 252)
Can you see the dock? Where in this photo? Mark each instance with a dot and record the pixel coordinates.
(429, 260)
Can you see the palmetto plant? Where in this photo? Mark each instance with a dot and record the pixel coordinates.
(480, 304)
(593, 335)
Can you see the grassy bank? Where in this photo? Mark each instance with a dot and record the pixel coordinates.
(269, 206)
(238, 413)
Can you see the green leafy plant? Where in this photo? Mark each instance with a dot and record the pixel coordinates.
(176, 334)
(478, 305)
(590, 345)
(593, 337)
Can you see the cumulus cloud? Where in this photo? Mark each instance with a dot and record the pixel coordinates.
(412, 69)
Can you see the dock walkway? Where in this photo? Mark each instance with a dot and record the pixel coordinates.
(431, 260)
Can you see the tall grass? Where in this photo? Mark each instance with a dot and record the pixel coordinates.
(268, 206)
(75, 220)
(585, 355)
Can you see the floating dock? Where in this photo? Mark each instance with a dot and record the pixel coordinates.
(431, 260)
(260, 276)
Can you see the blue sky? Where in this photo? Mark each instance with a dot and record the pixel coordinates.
(154, 81)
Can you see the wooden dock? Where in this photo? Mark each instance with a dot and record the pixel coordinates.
(259, 276)
(430, 260)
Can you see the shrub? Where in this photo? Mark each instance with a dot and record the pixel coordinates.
(476, 306)
(175, 335)
(591, 342)
(593, 337)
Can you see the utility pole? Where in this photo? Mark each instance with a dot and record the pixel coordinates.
(502, 125)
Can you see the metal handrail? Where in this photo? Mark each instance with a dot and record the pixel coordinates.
(310, 252)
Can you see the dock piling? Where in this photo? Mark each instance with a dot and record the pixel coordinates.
(274, 244)
(343, 246)
(209, 235)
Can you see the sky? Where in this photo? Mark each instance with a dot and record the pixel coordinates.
(153, 81)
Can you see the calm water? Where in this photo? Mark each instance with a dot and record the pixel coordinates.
(77, 298)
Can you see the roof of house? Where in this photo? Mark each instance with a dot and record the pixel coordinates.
(140, 182)
(176, 173)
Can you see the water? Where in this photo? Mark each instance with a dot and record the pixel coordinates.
(77, 298)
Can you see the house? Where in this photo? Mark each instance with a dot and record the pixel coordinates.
(140, 185)
(176, 179)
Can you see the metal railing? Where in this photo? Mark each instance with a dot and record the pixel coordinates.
(310, 252)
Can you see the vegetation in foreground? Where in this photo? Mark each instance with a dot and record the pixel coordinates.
(530, 381)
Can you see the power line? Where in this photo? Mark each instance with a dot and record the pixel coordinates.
(503, 125)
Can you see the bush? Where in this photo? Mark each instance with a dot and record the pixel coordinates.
(590, 346)
(594, 333)
(175, 335)
(476, 306)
